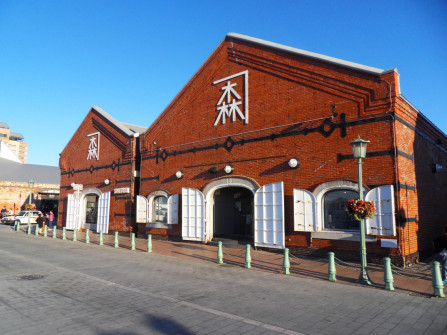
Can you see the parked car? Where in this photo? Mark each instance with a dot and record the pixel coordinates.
(22, 217)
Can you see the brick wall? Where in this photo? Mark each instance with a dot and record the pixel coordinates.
(15, 195)
(116, 156)
(283, 89)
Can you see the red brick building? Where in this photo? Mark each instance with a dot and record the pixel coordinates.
(257, 146)
(97, 174)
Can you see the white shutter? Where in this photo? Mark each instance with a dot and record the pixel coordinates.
(269, 216)
(142, 206)
(150, 206)
(383, 222)
(72, 212)
(103, 213)
(193, 204)
(304, 209)
(173, 209)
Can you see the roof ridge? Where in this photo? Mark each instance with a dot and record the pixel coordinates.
(313, 55)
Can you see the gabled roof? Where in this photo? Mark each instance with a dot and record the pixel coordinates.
(309, 54)
(16, 136)
(18, 172)
(4, 125)
(126, 128)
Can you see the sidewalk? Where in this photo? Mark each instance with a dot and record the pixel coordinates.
(416, 280)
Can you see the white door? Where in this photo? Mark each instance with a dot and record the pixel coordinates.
(173, 209)
(142, 205)
(383, 222)
(72, 212)
(269, 216)
(304, 209)
(193, 205)
(103, 213)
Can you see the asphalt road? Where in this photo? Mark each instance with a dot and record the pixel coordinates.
(51, 286)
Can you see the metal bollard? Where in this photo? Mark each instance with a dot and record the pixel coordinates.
(87, 236)
(74, 235)
(149, 243)
(388, 274)
(116, 244)
(331, 268)
(438, 285)
(248, 257)
(18, 226)
(36, 231)
(286, 263)
(64, 233)
(219, 253)
(45, 231)
(54, 231)
(101, 238)
(132, 242)
(28, 229)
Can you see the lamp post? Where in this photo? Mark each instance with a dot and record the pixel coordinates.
(359, 150)
(31, 185)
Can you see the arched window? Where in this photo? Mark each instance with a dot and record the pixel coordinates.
(160, 209)
(91, 208)
(334, 209)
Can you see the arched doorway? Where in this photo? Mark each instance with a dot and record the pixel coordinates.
(233, 213)
(89, 208)
(228, 192)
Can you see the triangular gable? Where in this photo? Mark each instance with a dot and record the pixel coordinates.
(265, 77)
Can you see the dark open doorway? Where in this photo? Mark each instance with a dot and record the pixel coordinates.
(233, 213)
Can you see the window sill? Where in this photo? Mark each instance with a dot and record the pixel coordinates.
(157, 225)
(341, 235)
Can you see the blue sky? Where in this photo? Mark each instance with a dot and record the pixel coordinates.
(131, 58)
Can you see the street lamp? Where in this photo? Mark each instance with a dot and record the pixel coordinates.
(359, 150)
(31, 185)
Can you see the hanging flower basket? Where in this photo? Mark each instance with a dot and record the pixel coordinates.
(30, 207)
(360, 209)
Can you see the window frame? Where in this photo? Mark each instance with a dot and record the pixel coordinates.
(151, 215)
(319, 194)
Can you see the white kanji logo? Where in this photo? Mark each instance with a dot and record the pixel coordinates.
(230, 100)
(228, 110)
(93, 148)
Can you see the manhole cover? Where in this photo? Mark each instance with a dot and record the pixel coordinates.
(30, 277)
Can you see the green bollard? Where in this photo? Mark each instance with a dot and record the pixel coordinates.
(18, 226)
(331, 268)
(132, 242)
(54, 231)
(64, 233)
(101, 238)
(36, 231)
(438, 285)
(116, 245)
(45, 231)
(286, 263)
(248, 257)
(219, 253)
(74, 235)
(149, 243)
(28, 229)
(87, 236)
(388, 275)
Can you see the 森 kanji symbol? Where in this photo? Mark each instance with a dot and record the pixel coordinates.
(227, 109)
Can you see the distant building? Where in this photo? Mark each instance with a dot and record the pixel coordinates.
(15, 190)
(14, 141)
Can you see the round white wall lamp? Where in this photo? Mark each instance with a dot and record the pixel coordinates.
(294, 163)
(107, 181)
(179, 174)
(228, 169)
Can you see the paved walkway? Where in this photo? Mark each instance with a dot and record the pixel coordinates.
(93, 289)
(416, 280)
